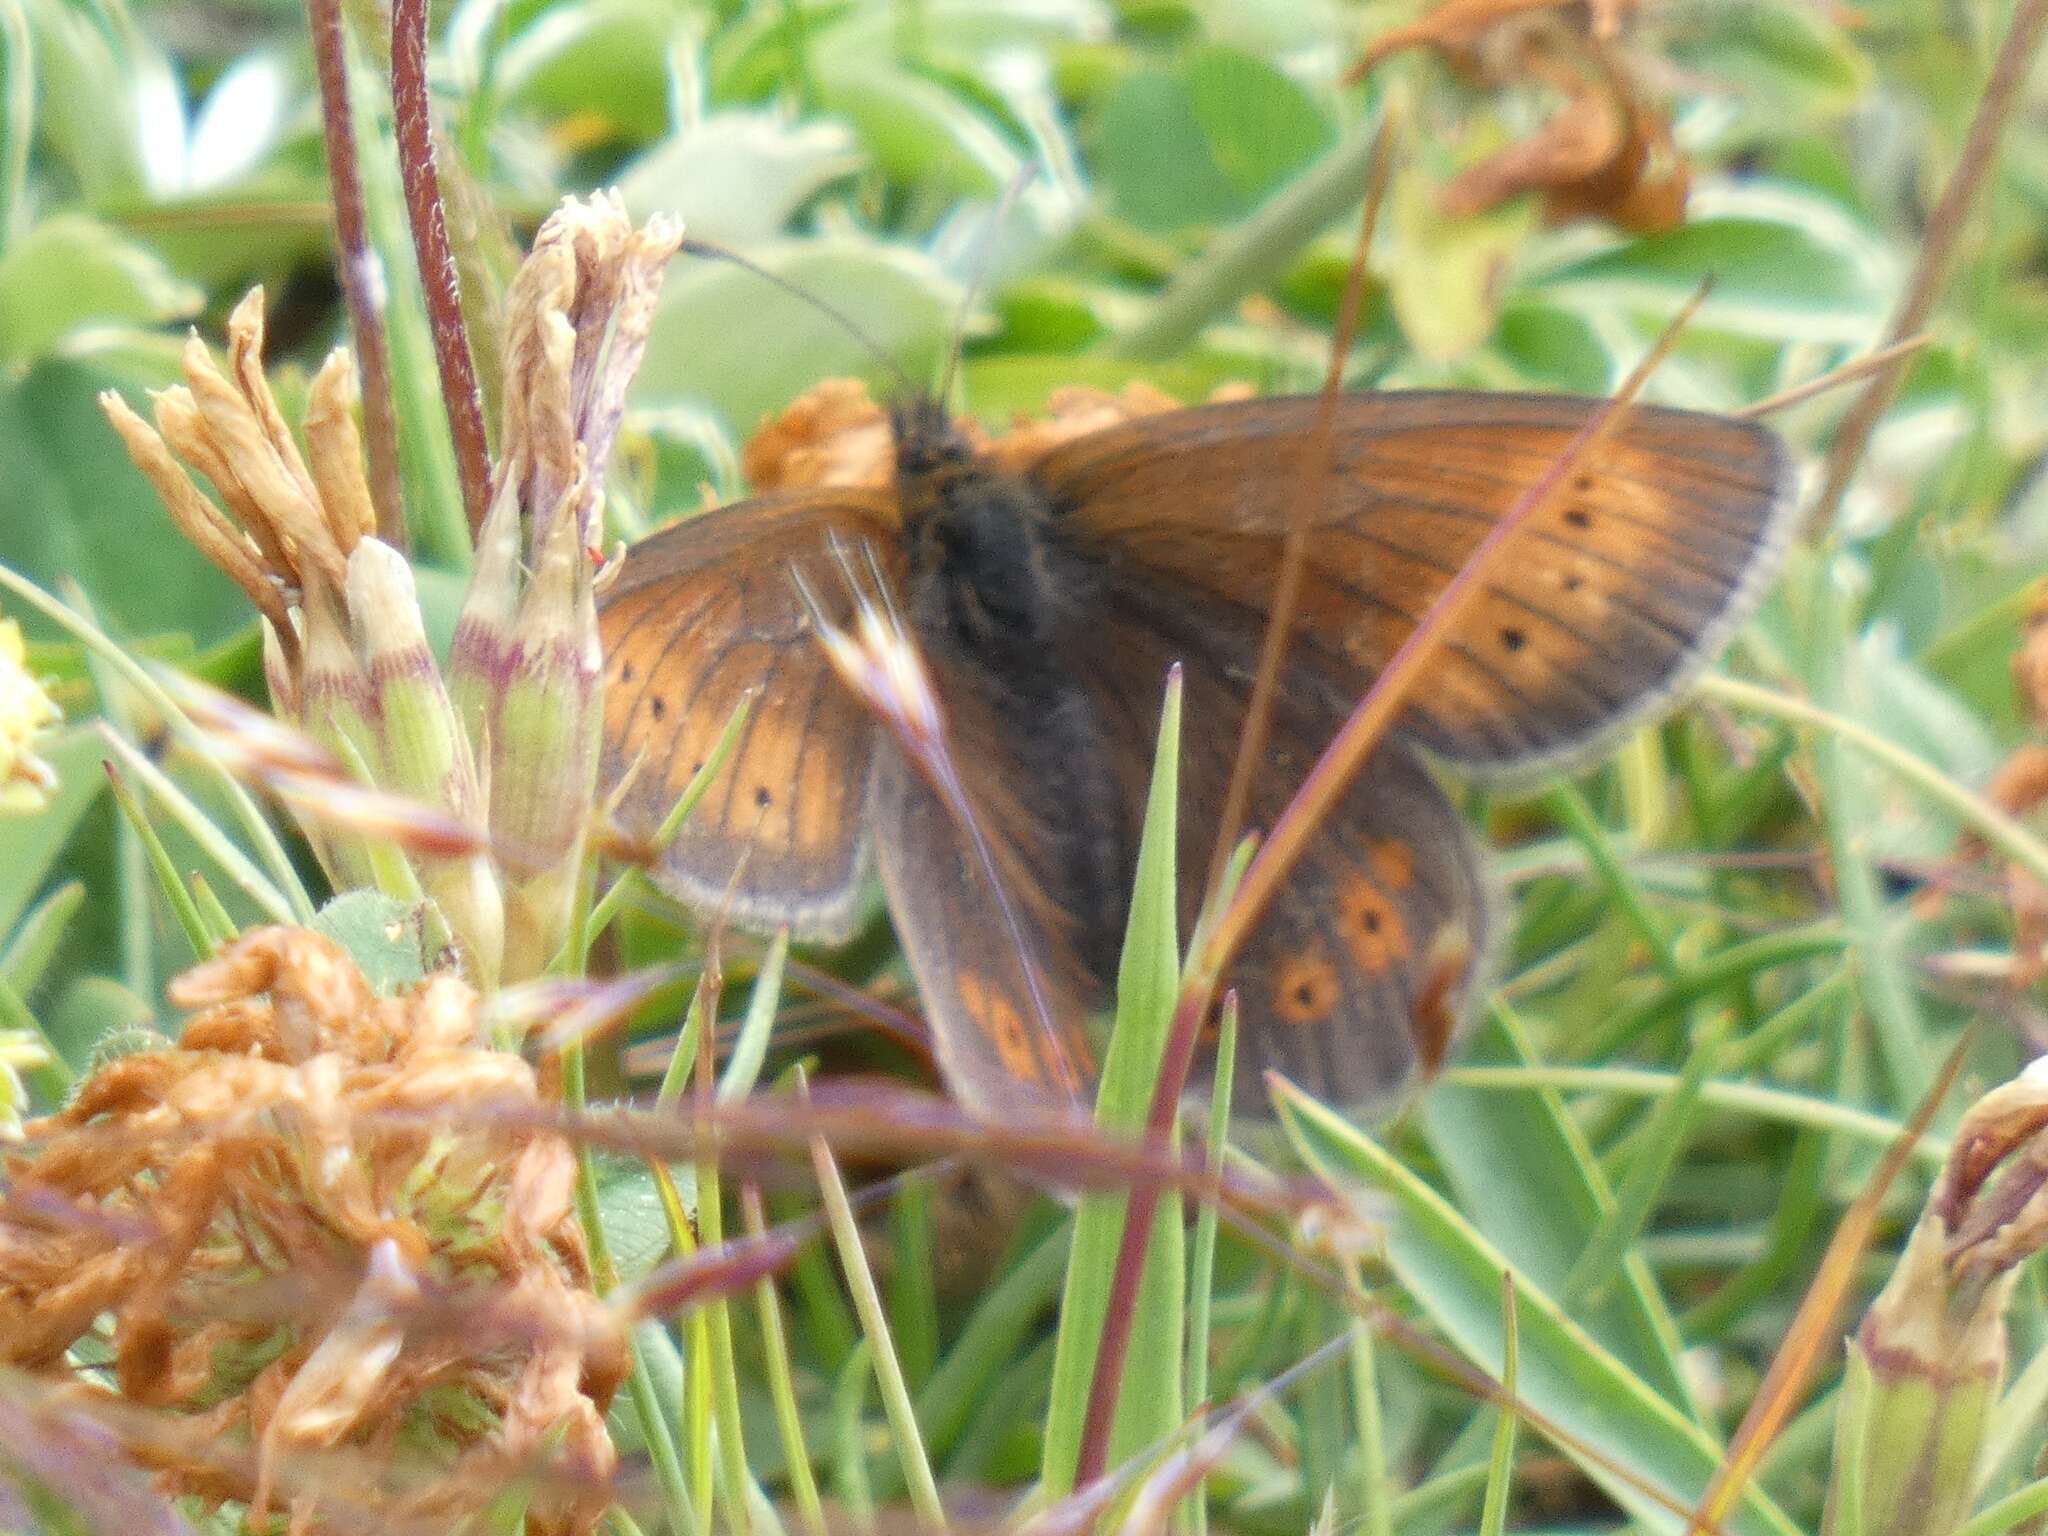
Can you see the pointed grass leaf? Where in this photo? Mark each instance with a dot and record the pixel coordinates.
(1149, 1393)
(1624, 1434)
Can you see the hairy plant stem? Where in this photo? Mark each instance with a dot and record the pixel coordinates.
(356, 265)
(413, 123)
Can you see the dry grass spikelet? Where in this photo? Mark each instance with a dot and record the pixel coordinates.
(318, 1224)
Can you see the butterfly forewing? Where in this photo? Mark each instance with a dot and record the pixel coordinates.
(704, 614)
(1627, 580)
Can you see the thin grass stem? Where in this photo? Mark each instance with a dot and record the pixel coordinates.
(867, 1302)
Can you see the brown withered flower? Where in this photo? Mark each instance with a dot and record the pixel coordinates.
(1605, 152)
(1928, 1362)
(2019, 787)
(316, 1228)
(835, 434)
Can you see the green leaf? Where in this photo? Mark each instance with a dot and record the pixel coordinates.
(74, 506)
(72, 270)
(1786, 265)
(33, 842)
(748, 370)
(1149, 1392)
(1525, 1178)
(1144, 153)
(384, 937)
(1258, 126)
(736, 178)
(1453, 1274)
(602, 57)
(635, 1225)
(918, 132)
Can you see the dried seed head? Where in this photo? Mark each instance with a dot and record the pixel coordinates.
(1926, 1365)
(321, 1220)
(577, 318)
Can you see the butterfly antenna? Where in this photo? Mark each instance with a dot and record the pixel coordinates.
(823, 306)
(1315, 461)
(977, 282)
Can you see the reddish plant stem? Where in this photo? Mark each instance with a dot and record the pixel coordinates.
(356, 265)
(413, 123)
(1937, 249)
(1314, 461)
(1106, 1380)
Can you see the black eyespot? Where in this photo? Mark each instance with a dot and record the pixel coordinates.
(1579, 517)
(762, 797)
(1583, 484)
(625, 671)
(697, 767)
(1513, 639)
(1572, 581)
(1305, 995)
(1371, 920)
(657, 706)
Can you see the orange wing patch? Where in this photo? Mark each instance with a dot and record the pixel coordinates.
(1306, 988)
(1373, 928)
(1393, 862)
(1000, 1024)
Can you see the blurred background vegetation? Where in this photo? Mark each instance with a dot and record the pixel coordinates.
(1196, 166)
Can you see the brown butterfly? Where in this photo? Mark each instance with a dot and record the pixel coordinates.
(1049, 605)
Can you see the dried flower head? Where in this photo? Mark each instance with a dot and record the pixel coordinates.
(314, 1225)
(26, 713)
(506, 744)
(835, 434)
(525, 666)
(1605, 152)
(1926, 1365)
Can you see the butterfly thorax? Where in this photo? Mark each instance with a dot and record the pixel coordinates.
(995, 587)
(982, 561)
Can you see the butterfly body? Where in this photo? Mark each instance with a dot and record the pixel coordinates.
(1049, 604)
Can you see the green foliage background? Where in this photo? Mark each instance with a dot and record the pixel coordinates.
(1719, 1002)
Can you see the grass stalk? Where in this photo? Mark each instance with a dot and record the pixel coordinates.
(1202, 1261)
(781, 1386)
(1493, 1511)
(867, 1303)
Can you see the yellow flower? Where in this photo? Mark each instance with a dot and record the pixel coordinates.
(25, 713)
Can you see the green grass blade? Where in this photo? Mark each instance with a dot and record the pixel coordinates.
(867, 1303)
(1655, 1155)
(913, 1297)
(849, 1437)
(1524, 1175)
(751, 1049)
(174, 893)
(781, 1382)
(1453, 1273)
(1202, 1266)
(991, 1337)
(28, 954)
(1500, 1466)
(1149, 1394)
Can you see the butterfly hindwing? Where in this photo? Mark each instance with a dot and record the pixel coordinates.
(1377, 944)
(704, 614)
(993, 955)
(1625, 584)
